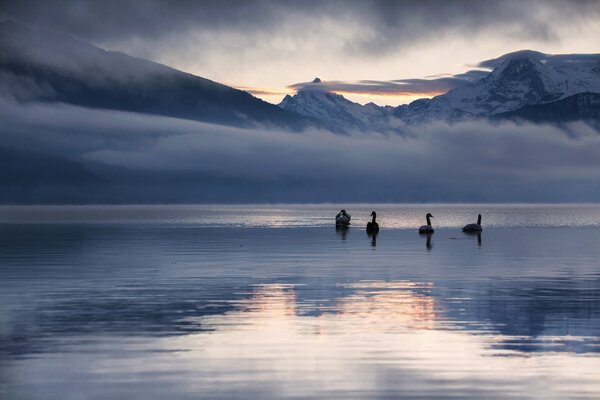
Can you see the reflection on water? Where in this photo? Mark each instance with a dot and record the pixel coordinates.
(378, 338)
(404, 216)
(379, 329)
(475, 235)
(342, 231)
(428, 242)
(148, 311)
(373, 237)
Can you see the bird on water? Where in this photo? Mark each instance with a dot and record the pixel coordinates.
(474, 227)
(342, 219)
(373, 226)
(427, 228)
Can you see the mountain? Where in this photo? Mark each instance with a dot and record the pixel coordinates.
(28, 177)
(518, 79)
(337, 112)
(40, 66)
(578, 107)
(47, 67)
(525, 84)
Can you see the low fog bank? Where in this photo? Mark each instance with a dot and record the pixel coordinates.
(66, 154)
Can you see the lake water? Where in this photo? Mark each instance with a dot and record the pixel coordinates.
(189, 302)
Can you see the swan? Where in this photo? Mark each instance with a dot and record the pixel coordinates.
(372, 226)
(474, 227)
(427, 228)
(343, 218)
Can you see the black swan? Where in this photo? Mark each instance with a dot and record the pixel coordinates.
(372, 226)
(474, 227)
(427, 228)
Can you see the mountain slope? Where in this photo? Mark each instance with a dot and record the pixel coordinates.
(578, 107)
(519, 79)
(32, 178)
(42, 66)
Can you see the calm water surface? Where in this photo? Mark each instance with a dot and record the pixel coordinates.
(153, 302)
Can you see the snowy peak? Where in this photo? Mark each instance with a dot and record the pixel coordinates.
(525, 80)
(518, 79)
(339, 113)
(551, 76)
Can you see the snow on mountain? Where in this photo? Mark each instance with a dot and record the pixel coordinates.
(335, 110)
(517, 80)
(42, 66)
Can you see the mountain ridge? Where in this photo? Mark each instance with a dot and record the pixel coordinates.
(520, 79)
(49, 67)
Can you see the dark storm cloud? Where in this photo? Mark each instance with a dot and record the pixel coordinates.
(473, 161)
(395, 87)
(116, 19)
(388, 24)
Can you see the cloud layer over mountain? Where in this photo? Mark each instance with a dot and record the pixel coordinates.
(382, 40)
(429, 86)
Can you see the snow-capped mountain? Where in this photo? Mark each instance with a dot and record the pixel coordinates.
(520, 79)
(517, 81)
(337, 112)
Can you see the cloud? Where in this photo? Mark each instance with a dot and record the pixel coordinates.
(398, 87)
(550, 59)
(265, 43)
(193, 161)
(391, 21)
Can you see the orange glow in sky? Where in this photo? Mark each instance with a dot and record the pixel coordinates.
(275, 95)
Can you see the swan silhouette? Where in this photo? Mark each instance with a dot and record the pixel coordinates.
(372, 226)
(427, 228)
(474, 227)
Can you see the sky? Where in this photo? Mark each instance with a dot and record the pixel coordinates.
(386, 52)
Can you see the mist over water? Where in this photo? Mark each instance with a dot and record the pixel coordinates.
(125, 158)
(273, 302)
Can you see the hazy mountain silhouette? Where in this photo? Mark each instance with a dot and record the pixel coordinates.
(581, 106)
(43, 66)
(28, 178)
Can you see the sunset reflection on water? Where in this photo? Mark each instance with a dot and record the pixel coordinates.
(186, 310)
(378, 329)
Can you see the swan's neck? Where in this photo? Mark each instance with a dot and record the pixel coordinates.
(373, 220)
(479, 220)
(428, 221)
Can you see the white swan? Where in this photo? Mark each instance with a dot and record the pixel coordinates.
(474, 227)
(343, 218)
(427, 228)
